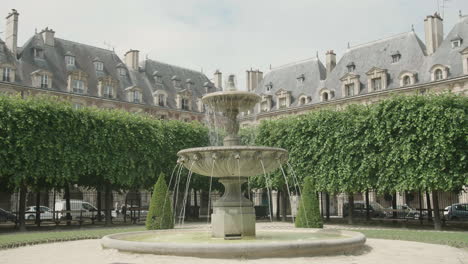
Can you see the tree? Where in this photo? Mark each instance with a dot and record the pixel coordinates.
(308, 215)
(160, 210)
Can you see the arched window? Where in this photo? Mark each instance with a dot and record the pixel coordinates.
(303, 101)
(406, 80)
(438, 74)
(325, 96)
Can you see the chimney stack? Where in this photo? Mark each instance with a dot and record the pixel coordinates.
(218, 80)
(331, 60)
(11, 32)
(132, 59)
(49, 36)
(434, 30)
(253, 78)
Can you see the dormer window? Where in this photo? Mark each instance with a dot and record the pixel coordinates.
(438, 75)
(376, 84)
(44, 81)
(107, 91)
(157, 77)
(38, 53)
(99, 66)
(136, 96)
(269, 86)
(175, 81)
(377, 79)
(349, 89)
(161, 100)
(406, 80)
(456, 42)
(351, 67)
(121, 69)
(189, 83)
(70, 60)
(78, 86)
(185, 104)
(396, 57)
(6, 74)
(439, 72)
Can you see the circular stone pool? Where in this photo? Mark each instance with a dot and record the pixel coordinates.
(277, 243)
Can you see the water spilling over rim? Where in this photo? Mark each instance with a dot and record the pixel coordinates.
(227, 160)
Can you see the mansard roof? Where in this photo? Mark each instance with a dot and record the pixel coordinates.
(6, 57)
(286, 78)
(378, 54)
(446, 55)
(85, 56)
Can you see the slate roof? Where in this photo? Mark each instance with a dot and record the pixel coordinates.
(5, 54)
(285, 78)
(446, 55)
(379, 54)
(85, 56)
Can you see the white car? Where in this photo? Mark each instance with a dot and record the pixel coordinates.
(80, 209)
(46, 213)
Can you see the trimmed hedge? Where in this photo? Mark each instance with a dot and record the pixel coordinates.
(308, 214)
(160, 210)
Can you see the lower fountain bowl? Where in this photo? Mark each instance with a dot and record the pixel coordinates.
(267, 244)
(233, 161)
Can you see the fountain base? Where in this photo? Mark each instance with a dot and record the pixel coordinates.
(233, 214)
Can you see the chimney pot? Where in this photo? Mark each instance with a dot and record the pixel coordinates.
(11, 32)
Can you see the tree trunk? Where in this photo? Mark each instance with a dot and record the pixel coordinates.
(350, 208)
(420, 208)
(99, 205)
(367, 206)
(108, 204)
(67, 204)
(322, 209)
(327, 205)
(394, 205)
(284, 207)
(435, 200)
(22, 207)
(278, 206)
(429, 210)
(38, 208)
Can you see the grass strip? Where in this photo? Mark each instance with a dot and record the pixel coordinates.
(454, 239)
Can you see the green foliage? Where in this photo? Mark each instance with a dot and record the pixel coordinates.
(46, 143)
(308, 215)
(160, 210)
(404, 143)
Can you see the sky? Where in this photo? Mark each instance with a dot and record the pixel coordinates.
(230, 35)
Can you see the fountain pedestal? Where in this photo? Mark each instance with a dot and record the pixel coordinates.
(233, 214)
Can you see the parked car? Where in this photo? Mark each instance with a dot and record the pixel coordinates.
(6, 216)
(87, 210)
(456, 212)
(404, 211)
(46, 213)
(375, 209)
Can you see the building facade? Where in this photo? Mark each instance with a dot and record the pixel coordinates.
(365, 74)
(89, 76)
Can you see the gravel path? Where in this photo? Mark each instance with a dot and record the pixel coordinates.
(89, 251)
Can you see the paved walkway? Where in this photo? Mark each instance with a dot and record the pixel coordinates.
(377, 251)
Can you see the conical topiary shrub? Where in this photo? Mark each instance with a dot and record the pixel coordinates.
(308, 214)
(160, 210)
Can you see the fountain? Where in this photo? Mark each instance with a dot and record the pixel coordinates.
(233, 215)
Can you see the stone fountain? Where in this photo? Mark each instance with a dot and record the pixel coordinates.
(233, 214)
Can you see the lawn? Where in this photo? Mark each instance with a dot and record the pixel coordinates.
(455, 239)
(29, 238)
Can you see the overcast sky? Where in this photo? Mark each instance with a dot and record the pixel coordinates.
(230, 35)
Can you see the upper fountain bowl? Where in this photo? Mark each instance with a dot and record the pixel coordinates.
(233, 161)
(230, 100)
